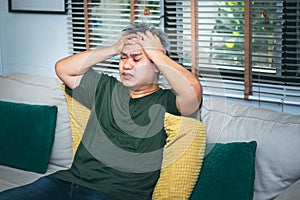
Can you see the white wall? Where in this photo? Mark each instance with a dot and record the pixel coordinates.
(31, 43)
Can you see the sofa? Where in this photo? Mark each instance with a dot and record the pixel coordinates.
(250, 153)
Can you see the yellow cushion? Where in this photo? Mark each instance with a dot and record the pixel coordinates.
(182, 157)
(79, 115)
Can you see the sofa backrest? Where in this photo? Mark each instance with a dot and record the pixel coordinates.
(277, 135)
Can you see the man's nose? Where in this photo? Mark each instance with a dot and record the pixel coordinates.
(128, 64)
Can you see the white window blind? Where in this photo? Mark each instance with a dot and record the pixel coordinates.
(240, 49)
(276, 52)
(243, 49)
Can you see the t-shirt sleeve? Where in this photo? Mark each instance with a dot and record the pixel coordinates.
(171, 103)
(86, 90)
(172, 108)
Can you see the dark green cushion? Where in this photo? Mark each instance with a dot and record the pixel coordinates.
(227, 173)
(26, 135)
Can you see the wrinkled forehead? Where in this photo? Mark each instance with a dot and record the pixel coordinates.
(132, 48)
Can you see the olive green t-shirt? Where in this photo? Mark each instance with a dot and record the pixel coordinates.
(121, 149)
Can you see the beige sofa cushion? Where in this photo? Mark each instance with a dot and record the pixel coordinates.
(277, 136)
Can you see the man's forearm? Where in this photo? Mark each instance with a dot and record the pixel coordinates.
(71, 69)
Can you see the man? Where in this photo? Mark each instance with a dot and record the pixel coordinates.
(120, 153)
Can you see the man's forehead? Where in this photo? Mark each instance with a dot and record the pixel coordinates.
(132, 49)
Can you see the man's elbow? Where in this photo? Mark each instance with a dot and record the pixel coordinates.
(59, 69)
(63, 75)
(198, 92)
(190, 103)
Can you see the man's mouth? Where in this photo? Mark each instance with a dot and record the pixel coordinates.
(127, 75)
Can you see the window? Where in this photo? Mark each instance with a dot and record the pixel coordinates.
(243, 49)
(240, 49)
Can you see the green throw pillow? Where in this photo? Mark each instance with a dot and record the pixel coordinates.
(227, 172)
(26, 135)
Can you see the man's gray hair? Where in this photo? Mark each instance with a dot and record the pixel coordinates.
(143, 27)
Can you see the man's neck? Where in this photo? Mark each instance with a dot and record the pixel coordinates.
(144, 90)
